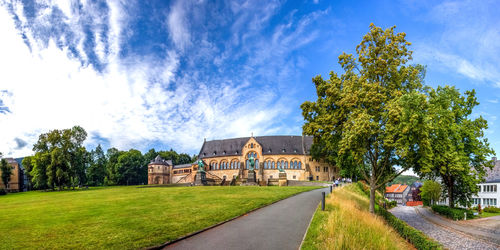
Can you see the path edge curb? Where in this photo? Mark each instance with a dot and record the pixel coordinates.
(221, 223)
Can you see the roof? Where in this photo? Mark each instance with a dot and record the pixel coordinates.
(271, 145)
(396, 188)
(493, 181)
(182, 166)
(160, 161)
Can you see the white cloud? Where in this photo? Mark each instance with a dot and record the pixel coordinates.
(130, 103)
(178, 25)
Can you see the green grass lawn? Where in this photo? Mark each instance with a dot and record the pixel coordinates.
(486, 214)
(123, 217)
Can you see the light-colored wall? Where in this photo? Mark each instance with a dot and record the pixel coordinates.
(14, 178)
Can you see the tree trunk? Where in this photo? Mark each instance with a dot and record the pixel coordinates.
(372, 194)
(450, 196)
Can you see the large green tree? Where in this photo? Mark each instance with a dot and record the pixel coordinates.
(61, 157)
(28, 166)
(6, 171)
(131, 168)
(374, 112)
(97, 169)
(431, 192)
(459, 147)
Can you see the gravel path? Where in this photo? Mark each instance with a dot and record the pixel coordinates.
(450, 238)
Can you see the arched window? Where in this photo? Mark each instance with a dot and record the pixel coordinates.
(256, 164)
(286, 164)
(265, 165)
(272, 164)
(278, 164)
(282, 164)
(295, 165)
(300, 165)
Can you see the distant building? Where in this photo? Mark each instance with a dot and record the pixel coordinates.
(16, 183)
(398, 193)
(413, 188)
(228, 159)
(488, 194)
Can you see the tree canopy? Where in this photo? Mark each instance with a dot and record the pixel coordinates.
(6, 170)
(459, 148)
(373, 113)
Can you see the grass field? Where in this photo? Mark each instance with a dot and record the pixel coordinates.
(347, 224)
(123, 217)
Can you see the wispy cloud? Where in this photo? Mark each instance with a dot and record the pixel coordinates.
(70, 64)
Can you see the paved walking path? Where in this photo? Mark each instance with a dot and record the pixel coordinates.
(279, 226)
(441, 231)
(467, 228)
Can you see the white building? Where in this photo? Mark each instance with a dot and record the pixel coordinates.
(489, 194)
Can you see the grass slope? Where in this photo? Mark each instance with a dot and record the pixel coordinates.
(347, 224)
(123, 217)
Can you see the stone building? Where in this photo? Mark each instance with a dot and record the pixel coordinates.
(16, 179)
(227, 159)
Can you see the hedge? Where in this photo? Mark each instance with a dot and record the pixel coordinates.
(3, 191)
(491, 209)
(412, 235)
(453, 213)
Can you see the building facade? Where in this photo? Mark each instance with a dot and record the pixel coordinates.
(228, 159)
(16, 179)
(398, 193)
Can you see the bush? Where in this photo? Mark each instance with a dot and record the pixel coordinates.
(391, 204)
(3, 191)
(412, 235)
(453, 213)
(492, 209)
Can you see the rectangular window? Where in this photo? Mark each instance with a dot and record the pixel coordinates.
(317, 178)
(325, 169)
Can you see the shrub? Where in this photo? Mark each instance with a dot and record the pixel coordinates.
(412, 235)
(3, 191)
(492, 209)
(453, 213)
(391, 204)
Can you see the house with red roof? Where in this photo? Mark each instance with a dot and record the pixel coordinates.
(398, 193)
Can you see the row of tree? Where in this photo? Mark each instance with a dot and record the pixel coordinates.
(61, 161)
(379, 119)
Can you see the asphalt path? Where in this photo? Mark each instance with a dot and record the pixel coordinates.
(281, 225)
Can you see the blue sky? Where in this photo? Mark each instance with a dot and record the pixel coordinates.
(166, 74)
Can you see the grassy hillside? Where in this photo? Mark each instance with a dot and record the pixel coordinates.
(347, 224)
(405, 179)
(123, 217)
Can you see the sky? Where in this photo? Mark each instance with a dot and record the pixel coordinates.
(167, 74)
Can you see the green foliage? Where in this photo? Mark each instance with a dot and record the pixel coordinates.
(97, 169)
(453, 213)
(6, 171)
(405, 179)
(391, 204)
(414, 236)
(373, 116)
(460, 150)
(491, 209)
(431, 192)
(60, 158)
(28, 167)
(123, 217)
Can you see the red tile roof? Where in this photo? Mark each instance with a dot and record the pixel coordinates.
(396, 188)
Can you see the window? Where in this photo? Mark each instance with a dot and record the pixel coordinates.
(256, 164)
(272, 164)
(317, 178)
(283, 164)
(300, 165)
(294, 177)
(279, 164)
(286, 164)
(251, 145)
(295, 165)
(325, 169)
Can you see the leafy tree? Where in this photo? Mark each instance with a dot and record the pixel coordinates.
(131, 168)
(28, 167)
(112, 174)
(39, 178)
(430, 192)
(6, 171)
(458, 144)
(374, 112)
(67, 158)
(97, 169)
